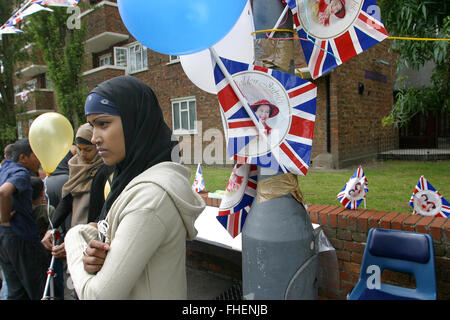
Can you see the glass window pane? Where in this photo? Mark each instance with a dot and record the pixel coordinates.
(184, 106)
(192, 114)
(184, 120)
(176, 116)
(144, 58)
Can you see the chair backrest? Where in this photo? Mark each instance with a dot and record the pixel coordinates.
(402, 251)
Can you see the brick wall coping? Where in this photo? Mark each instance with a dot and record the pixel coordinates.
(365, 219)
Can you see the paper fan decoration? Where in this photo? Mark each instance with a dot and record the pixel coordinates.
(354, 191)
(284, 104)
(333, 31)
(427, 201)
(238, 199)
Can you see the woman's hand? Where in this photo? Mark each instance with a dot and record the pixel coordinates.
(94, 256)
(59, 251)
(47, 240)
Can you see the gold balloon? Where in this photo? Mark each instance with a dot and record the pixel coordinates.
(51, 136)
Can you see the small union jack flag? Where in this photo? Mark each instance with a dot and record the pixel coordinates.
(240, 192)
(289, 123)
(9, 29)
(426, 200)
(199, 182)
(58, 3)
(354, 191)
(26, 10)
(335, 37)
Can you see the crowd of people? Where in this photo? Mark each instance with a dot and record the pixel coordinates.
(128, 243)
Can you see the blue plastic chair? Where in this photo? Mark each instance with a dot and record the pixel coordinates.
(401, 251)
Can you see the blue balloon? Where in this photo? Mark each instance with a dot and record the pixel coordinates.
(178, 27)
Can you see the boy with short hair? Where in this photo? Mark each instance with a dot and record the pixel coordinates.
(23, 259)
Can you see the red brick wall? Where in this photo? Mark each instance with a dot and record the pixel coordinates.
(358, 116)
(347, 231)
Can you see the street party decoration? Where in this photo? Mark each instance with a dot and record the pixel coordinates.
(236, 45)
(199, 182)
(333, 31)
(427, 201)
(238, 198)
(278, 130)
(354, 191)
(58, 3)
(179, 27)
(30, 7)
(9, 30)
(51, 136)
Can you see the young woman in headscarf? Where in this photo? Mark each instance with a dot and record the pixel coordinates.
(150, 210)
(83, 193)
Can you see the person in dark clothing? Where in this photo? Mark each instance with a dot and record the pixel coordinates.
(23, 259)
(57, 178)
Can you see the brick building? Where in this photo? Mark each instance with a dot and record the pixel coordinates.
(351, 101)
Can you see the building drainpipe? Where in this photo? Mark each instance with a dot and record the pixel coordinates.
(279, 260)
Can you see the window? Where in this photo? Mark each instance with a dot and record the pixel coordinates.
(105, 60)
(134, 57)
(120, 56)
(48, 82)
(19, 129)
(184, 115)
(174, 59)
(16, 93)
(138, 58)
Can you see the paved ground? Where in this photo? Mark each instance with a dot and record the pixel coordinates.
(206, 285)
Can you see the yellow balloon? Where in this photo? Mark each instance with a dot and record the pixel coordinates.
(51, 136)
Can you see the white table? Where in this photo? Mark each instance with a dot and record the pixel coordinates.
(211, 231)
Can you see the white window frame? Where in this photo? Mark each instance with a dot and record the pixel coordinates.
(192, 128)
(117, 55)
(19, 129)
(105, 60)
(173, 59)
(129, 57)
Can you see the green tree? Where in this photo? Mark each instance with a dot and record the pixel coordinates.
(424, 19)
(10, 55)
(62, 45)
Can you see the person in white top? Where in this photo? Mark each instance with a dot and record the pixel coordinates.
(150, 210)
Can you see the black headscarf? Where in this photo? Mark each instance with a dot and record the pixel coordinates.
(147, 136)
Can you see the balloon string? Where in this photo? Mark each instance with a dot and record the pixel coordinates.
(391, 38)
(48, 211)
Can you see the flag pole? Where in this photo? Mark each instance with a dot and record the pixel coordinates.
(279, 21)
(244, 102)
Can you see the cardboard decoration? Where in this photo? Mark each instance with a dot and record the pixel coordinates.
(284, 105)
(239, 195)
(427, 201)
(333, 31)
(354, 191)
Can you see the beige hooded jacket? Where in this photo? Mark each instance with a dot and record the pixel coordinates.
(148, 226)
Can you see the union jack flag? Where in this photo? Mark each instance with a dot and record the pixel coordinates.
(426, 200)
(297, 112)
(325, 54)
(354, 191)
(199, 182)
(241, 190)
(58, 3)
(27, 9)
(9, 29)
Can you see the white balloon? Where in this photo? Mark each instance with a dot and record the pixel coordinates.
(236, 45)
